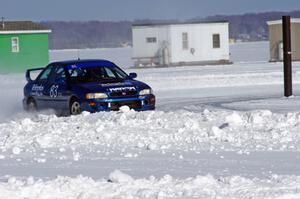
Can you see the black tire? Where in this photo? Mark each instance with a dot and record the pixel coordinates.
(75, 108)
(31, 105)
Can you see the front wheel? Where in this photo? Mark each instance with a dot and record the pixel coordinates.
(75, 108)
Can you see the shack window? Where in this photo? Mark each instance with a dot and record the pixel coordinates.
(216, 41)
(185, 41)
(15, 44)
(151, 39)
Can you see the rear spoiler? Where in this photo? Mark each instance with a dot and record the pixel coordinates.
(28, 78)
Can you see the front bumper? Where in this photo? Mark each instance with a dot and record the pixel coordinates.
(140, 103)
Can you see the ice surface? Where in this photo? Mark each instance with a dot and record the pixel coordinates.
(239, 53)
(250, 52)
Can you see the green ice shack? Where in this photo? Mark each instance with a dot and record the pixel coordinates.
(23, 45)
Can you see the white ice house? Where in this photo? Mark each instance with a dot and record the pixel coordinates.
(173, 44)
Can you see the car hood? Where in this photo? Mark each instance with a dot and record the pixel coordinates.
(112, 86)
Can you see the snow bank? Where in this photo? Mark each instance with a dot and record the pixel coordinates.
(155, 130)
(166, 187)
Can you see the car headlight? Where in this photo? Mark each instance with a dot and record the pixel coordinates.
(96, 96)
(147, 91)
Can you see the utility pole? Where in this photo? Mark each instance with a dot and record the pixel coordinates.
(287, 56)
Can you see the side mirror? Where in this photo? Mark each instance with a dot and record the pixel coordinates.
(132, 75)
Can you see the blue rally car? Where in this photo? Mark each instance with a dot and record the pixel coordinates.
(85, 85)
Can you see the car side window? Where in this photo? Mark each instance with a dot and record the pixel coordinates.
(45, 75)
(114, 73)
(109, 72)
(78, 72)
(58, 74)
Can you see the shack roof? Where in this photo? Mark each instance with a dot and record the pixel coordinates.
(22, 27)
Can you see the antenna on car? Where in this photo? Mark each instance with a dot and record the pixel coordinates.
(78, 57)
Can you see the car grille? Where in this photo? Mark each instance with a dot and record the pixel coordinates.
(123, 93)
(131, 104)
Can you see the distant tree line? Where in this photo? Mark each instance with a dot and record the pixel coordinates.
(99, 34)
(252, 26)
(90, 34)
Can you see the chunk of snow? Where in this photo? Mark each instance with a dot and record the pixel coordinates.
(234, 119)
(140, 145)
(40, 160)
(120, 177)
(44, 141)
(76, 156)
(152, 146)
(217, 132)
(124, 109)
(16, 150)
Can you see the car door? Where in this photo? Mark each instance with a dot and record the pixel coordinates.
(59, 91)
(40, 88)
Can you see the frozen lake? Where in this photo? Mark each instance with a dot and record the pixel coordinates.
(239, 52)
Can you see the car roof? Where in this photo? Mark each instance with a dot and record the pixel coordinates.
(100, 62)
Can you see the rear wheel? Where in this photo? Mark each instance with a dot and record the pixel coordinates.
(75, 107)
(31, 105)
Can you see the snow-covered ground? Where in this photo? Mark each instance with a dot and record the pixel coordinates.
(218, 132)
(121, 185)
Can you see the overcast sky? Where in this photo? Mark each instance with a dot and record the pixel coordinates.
(115, 10)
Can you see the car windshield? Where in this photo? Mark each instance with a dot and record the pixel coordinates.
(96, 74)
